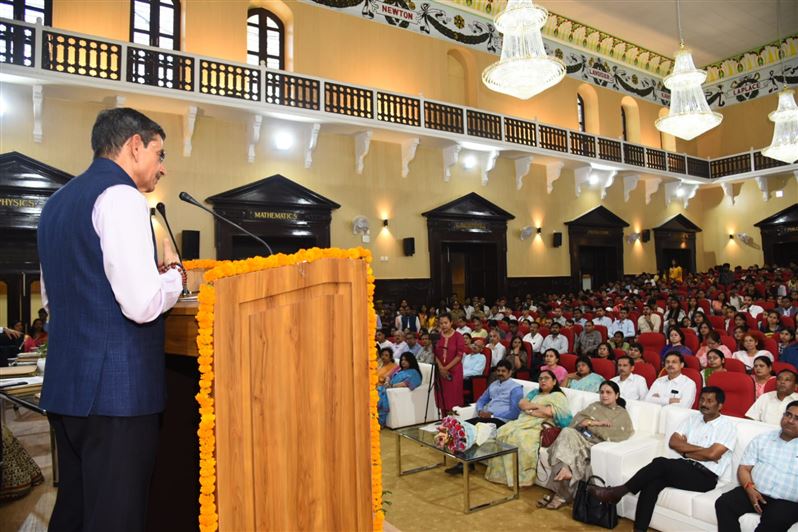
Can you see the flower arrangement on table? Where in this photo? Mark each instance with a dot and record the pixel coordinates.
(454, 435)
(208, 518)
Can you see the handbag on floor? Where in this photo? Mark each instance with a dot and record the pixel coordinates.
(549, 434)
(590, 510)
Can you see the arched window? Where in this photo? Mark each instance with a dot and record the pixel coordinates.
(580, 113)
(155, 23)
(265, 38)
(28, 10)
(624, 133)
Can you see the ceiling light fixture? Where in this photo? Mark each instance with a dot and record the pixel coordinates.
(524, 69)
(689, 115)
(784, 145)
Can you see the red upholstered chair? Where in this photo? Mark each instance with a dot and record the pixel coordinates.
(779, 366)
(652, 358)
(699, 382)
(647, 371)
(568, 361)
(692, 362)
(751, 320)
(652, 341)
(479, 383)
(771, 346)
(605, 368)
(734, 365)
(503, 326)
(543, 331)
(718, 322)
(770, 386)
(788, 322)
(526, 373)
(603, 330)
(739, 389)
(505, 343)
(729, 342)
(523, 329)
(569, 334)
(691, 339)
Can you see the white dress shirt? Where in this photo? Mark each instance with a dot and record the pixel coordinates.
(465, 329)
(634, 388)
(536, 341)
(755, 310)
(748, 360)
(701, 434)
(682, 388)
(656, 323)
(559, 342)
(497, 353)
(142, 292)
(605, 321)
(768, 409)
(625, 326)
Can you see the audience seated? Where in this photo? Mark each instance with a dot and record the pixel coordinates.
(533, 337)
(767, 474)
(583, 378)
(551, 362)
(547, 404)
(716, 360)
(425, 355)
(712, 341)
(623, 325)
(675, 343)
(555, 340)
(769, 407)
(588, 340)
(752, 348)
(673, 387)
(761, 374)
(410, 345)
(605, 420)
(516, 354)
(408, 376)
(474, 361)
(631, 386)
(497, 349)
(788, 348)
(601, 319)
(649, 322)
(706, 444)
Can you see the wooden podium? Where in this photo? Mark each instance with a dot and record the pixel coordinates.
(293, 448)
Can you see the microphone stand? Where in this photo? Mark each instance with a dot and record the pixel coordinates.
(161, 208)
(188, 198)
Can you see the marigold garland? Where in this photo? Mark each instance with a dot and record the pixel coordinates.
(208, 518)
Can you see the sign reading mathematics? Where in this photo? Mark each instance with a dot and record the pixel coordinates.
(448, 23)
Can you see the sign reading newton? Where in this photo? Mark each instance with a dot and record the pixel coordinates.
(397, 12)
(17, 202)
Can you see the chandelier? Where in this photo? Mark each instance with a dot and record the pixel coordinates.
(689, 114)
(784, 146)
(524, 69)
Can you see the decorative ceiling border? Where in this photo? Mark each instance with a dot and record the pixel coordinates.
(569, 31)
(753, 60)
(465, 28)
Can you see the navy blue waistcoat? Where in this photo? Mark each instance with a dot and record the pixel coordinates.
(98, 361)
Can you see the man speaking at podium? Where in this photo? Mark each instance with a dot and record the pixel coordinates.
(104, 388)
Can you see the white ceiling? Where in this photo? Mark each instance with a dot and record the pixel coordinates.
(713, 29)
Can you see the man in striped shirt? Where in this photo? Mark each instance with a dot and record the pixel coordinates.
(767, 475)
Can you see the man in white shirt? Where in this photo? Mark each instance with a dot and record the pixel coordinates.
(555, 340)
(649, 322)
(497, 348)
(706, 443)
(750, 307)
(734, 299)
(673, 388)
(533, 337)
(623, 324)
(474, 362)
(557, 317)
(601, 319)
(382, 342)
(410, 345)
(462, 326)
(770, 406)
(579, 318)
(633, 387)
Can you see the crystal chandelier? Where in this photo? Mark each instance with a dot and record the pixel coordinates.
(784, 146)
(524, 69)
(689, 114)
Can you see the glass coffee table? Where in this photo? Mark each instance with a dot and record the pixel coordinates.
(477, 453)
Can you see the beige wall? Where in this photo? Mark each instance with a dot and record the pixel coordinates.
(744, 126)
(219, 163)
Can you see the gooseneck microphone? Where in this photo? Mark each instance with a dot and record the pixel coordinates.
(185, 196)
(161, 208)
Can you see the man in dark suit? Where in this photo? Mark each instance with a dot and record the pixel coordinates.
(105, 387)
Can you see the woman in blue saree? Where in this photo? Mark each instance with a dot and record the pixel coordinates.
(408, 376)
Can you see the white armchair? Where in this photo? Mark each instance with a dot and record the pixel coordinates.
(407, 407)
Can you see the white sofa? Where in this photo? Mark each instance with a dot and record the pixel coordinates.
(676, 510)
(407, 407)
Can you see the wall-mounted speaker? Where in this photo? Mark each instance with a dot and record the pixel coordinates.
(646, 235)
(409, 246)
(556, 240)
(189, 244)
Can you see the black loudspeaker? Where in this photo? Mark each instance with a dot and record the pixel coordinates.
(189, 244)
(557, 240)
(409, 245)
(646, 236)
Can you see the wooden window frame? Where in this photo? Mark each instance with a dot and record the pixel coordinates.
(20, 6)
(263, 31)
(154, 29)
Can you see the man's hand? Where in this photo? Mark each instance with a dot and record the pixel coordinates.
(11, 333)
(485, 414)
(756, 499)
(674, 400)
(169, 253)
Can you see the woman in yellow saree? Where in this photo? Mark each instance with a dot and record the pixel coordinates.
(546, 404)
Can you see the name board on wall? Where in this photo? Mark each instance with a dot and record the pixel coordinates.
(17, 202)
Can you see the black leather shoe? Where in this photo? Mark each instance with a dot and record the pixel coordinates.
(608, 495)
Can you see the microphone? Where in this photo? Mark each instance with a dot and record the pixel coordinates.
(185, 196)
(161, 208)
